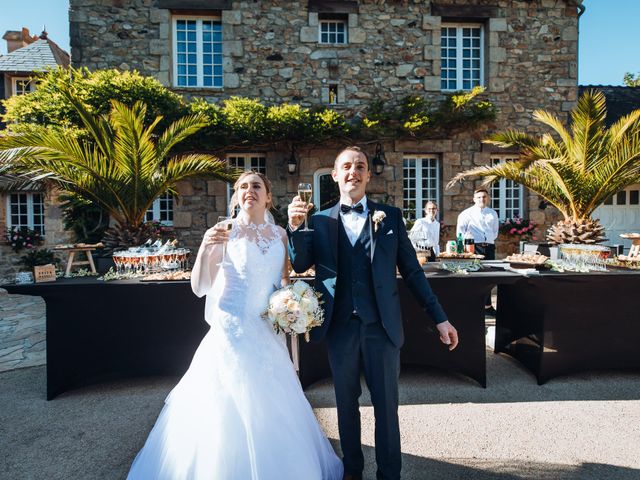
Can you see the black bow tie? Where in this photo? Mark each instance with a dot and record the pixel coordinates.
(351, 208)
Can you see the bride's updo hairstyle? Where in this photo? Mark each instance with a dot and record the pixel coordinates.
(233, 204)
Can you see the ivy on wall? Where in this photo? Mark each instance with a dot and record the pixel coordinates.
(243, 122)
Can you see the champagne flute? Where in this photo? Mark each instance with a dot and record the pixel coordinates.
(228, 224)
(304, 192)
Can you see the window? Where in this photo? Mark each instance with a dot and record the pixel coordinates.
(197, 52)
(26, 210)
(161, 210)
(22, 85)
(506, 195)
(248, 162)
(461, 57)
(333, 31)
(421, 183)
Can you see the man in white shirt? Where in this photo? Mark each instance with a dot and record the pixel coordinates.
(483, 223)
(426, 230)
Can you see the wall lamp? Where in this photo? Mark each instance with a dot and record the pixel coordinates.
(378, 161)
(292, 163)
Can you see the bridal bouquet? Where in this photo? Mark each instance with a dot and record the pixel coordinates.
(295, 309)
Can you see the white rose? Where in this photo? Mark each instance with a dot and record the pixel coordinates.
(300, 287)
(309, 304)
(300, 325)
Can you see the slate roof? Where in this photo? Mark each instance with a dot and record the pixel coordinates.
(36, 56)
(620, 100)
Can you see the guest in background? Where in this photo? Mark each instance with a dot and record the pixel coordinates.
(425, 232)
(483, 223)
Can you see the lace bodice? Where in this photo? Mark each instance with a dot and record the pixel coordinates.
(256, 256)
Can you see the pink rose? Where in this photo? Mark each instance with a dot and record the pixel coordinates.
(512, 231)
(519, 232)
(29, 245)
(518, 221)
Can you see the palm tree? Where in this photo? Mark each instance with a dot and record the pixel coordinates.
(577, 171)
(122, 166)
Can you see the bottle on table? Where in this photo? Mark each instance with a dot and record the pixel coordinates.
(460, 244)
(469, 243)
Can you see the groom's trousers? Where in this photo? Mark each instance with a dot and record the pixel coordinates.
(356, 346)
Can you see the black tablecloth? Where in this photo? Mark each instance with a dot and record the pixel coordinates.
(560, 323)
(104, 330)
(463, 298)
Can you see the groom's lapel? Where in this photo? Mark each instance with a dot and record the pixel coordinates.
(372, 206)
(334, 214)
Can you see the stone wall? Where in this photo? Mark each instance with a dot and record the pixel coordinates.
(271, 51)
(22, 331)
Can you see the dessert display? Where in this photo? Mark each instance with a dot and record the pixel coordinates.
(634, 251)
(526, 260)
(459, 256)
(166, 276)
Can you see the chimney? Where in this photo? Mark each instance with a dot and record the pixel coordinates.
(18, 39)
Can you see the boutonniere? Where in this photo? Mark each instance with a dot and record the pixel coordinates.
(377, 217)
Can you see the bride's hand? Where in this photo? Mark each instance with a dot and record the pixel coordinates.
(216, 235)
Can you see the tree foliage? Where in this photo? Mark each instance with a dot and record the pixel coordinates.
(49, 106)
(580, 166)
(124, 166)
(631, 80)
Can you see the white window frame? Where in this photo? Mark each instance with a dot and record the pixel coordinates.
(420, 197)
(252, 164)
(460, 58)
(30, 213)
(156, 210)
(503, 187)
(336, 22)
(14, 85)
(199, 51)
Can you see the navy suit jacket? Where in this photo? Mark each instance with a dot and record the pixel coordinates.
(391, 247)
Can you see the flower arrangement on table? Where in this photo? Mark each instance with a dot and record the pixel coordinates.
(295, 309)
(23, 237)
(521, 228)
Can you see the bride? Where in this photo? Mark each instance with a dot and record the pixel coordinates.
(239, 412)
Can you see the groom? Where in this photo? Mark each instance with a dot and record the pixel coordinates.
(355, 247)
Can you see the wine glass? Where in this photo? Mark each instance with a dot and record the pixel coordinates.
(227, 222)
(304, 192)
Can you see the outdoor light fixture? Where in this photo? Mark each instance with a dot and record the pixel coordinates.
(292, 163)
(378, 161)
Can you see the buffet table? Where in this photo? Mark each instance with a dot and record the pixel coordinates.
(561, 323)
(463, 298)
(105, 330)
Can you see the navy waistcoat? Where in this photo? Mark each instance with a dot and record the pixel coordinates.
(354, 285)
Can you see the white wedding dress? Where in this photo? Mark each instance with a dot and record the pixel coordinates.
(239, 412)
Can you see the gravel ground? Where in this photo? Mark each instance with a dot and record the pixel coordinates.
(584, 426)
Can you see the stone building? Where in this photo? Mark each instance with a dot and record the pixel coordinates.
(346, 54)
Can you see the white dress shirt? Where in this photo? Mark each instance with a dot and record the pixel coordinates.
(426, 233)
(354, 221)
(482, 223)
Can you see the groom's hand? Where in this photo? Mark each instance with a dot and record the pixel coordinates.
(448, 334)
(297, 210)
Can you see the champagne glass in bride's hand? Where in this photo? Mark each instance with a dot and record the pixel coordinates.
(227, 223)
(304, 192)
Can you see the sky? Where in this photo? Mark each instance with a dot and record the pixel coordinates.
(607, 43)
